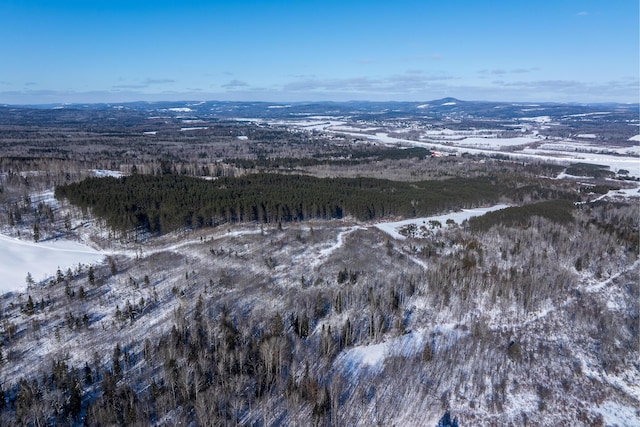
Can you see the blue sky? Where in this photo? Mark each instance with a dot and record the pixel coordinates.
(402, 50)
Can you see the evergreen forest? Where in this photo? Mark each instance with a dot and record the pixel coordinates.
(165, 203)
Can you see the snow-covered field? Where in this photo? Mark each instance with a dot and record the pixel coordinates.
(587, 147)
(42, 260)
(529, 146)
(496, 143)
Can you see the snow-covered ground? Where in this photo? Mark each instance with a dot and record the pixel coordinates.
(194, 128)
(325, 252)
(570, 146)
(372, 356)
(42, 260)
(392, 228)
(101, 173)
(529, 146)
(496, 143)
(354, 129)
(537, 119)
(615, 414)
(623, 193)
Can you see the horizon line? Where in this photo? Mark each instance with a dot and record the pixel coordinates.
(390, 101)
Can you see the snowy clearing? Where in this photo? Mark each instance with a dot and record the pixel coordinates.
(538, 119)
(391, 228)
(599, 113)
(19, 257)
(441, 337)
(372, 356)
(194, 128)
(101, 173)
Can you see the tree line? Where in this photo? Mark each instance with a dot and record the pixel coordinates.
(344, 157)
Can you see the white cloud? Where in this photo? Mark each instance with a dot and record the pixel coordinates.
(149, 81)
(422, 57)
(143, 84)
(235, 84)
(500, 71)
(346, 84)
(130, 86)
(413, 81)
(623, 90)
